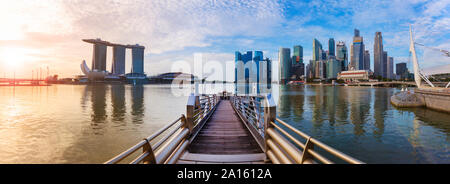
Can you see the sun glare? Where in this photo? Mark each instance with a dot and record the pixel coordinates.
(13, 57)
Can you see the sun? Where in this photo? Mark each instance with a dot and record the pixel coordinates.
(13, 58)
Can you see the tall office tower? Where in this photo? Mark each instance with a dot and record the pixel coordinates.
(298, 54)
(285, 64)
(317, 47)
(401, 70)
(390, 68)
(384, 64)
(118, 64)
(243, 71)
(333, 68)
(366, 60)
(257, 58)
(308, 71)
(378, 55)
(264, 75)
(342, 55)
(99, 57)
(137, 57)
(331, 46)
(357, 51)
(316, 56)
(298, 68)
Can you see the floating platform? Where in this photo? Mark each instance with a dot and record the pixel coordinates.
(433, 98)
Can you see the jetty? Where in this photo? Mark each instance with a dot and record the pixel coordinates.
(230, 129)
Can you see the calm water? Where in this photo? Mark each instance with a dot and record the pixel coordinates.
(90, 124)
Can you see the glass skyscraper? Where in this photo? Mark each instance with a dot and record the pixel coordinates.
(342, 55)
(331, 46)
(357, 60)
(118, 64)
(366, 60)
(137, 57)
(285, 64)
(378, 55)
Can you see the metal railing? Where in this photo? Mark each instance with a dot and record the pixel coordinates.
(259, 115)
(167, 144)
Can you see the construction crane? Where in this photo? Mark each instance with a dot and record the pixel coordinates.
(446, 53)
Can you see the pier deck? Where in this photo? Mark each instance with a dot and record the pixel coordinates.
(223, 139)
(230, 129)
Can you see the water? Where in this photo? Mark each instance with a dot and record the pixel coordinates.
(92, 123)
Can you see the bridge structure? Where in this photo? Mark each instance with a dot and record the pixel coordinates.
(224, 128)
(385, 83)
(22, 82)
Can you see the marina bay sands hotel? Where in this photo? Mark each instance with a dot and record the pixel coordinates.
(118, 59)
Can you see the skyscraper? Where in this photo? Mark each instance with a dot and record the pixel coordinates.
(357, 60)
(298, 67)
(366, 60)
(242, 71)
(118, 64)
(378, 55)
(137, 57)
(99, 57)
(390, 68)
(401, 70)
(342, 55)
(285, 64)
(317, 47)
(384, 64)
(331, 47)
(298, 54)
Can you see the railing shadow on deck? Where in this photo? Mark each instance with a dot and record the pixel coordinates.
(258, 113)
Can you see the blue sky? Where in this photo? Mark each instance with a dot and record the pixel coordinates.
(174, 30)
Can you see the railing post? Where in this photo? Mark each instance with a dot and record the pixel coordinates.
(190, 107)
(270, 115)
(150, 158)
(306, 155)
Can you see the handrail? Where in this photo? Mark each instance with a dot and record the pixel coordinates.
(172, 139)
(279, 145)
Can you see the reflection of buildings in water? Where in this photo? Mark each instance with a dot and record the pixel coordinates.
(284, 102)
(342, 105)
(118, 102)
(360, 107)
(380, 107)
(331, 101)
(137, 103)
(318, 107)
(98, 103)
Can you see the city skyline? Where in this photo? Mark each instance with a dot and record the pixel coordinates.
(50, 34)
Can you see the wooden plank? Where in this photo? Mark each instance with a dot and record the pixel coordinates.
(224, 134)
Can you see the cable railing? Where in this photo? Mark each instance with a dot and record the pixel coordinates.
(281, 147)
(167, 144)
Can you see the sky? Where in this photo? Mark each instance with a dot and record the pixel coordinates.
(47, 33)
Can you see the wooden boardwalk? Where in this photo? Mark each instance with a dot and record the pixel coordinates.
(223, 139)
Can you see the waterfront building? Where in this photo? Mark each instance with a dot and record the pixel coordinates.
(118, 60)
(285, 65)
(331, 47)
(357, 51)
(378, 55)
(342, 55)
(366, 60)
(354, 75)
(384, 64)
(137, 57)
(401, 70)
(298, 67)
